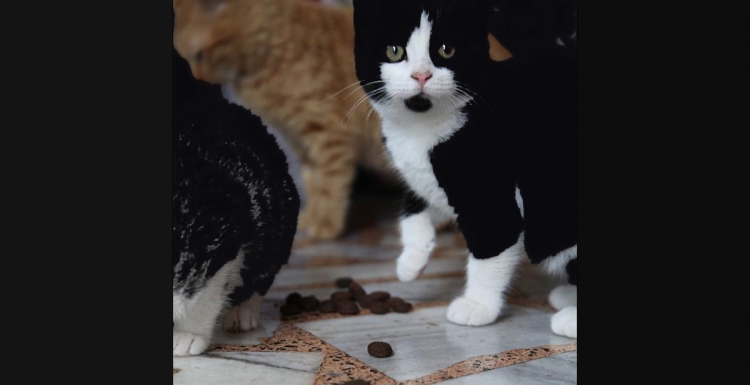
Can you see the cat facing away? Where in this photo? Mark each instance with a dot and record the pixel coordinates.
(234, 213)
(291, 62)
(488, 145)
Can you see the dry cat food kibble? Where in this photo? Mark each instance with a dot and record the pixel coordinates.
(399, 305)
(328, 306)
(402, 307)
(290, 309)
(357, 290)
(380, 296)
(380, 349)
(346, 302)
(379, 308)
(348, 308)
(341, 296)
(294, 298)
(310, 303)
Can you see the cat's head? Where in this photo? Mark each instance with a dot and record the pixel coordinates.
(215, 37)
(420, 56)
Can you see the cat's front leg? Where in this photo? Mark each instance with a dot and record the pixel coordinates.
(487, 280)
(194, 322)
(417, 238)
(328, 177)
(244, 317)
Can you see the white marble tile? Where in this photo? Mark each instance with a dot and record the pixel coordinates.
(561, 369)
(344, 250)
(306, 362)
(425, 342)
(247, 368)
(293, 276)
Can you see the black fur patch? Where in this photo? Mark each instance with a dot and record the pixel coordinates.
(413, 204)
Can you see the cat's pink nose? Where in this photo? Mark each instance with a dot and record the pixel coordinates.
(421, 77)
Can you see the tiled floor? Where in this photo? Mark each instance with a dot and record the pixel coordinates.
(331, 349)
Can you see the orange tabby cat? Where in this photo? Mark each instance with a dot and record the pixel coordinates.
(291, 62)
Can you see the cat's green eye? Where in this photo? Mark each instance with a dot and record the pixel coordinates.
(447, 51)
(395, 53)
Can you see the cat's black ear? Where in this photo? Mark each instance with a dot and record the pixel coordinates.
(367, 13)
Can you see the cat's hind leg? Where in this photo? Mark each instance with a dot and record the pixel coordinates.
(244, 317)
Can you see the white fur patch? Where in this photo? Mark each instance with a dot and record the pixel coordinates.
(555, 265)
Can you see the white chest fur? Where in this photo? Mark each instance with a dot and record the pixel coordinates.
(409, 142)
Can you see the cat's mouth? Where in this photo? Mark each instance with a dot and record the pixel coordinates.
(418, 103)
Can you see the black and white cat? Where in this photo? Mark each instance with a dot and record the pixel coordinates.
(477, 142)
(234, 212)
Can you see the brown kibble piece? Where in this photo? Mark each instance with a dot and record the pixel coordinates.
(341, 296)
(379, 349)
(348, 308)
(393, 301)
(357, 290)
(328, 306)
(380, 296)
(294, 298)
(290, 309)
(343, 283)
(401, 307)
(310, 303)
(379, 308)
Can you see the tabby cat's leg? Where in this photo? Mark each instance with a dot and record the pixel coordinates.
(244, 317)
(417, 238)
(307, 216)
(332, 157)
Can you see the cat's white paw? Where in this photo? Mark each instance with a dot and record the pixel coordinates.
(411, 264)
(188, 344)
(464, 311)
(565, 322)
(244, 317)
(563, 296)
